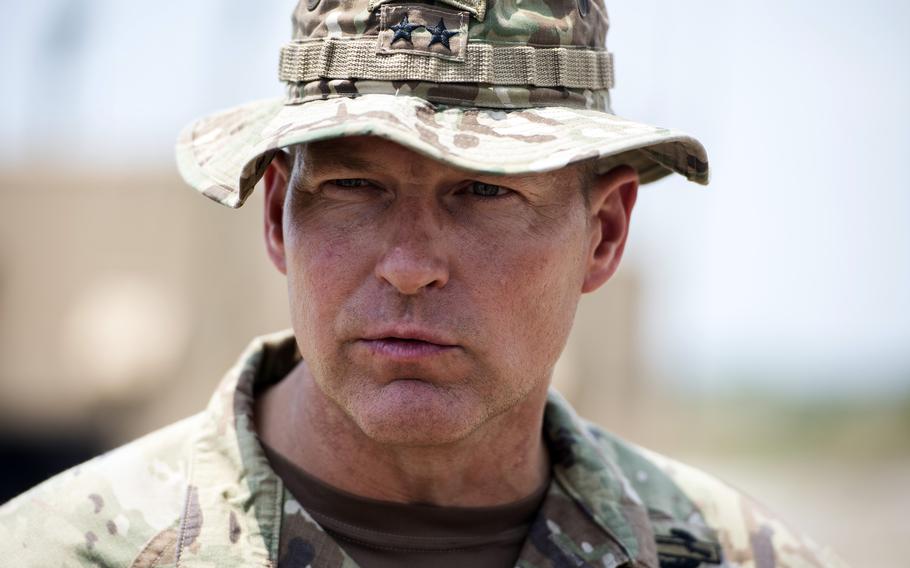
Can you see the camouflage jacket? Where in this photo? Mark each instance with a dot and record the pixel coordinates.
(200, 493)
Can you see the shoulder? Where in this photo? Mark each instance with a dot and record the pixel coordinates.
(115, 509)
(679, 495)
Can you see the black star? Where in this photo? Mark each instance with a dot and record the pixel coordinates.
(441, 34)
(403, 29)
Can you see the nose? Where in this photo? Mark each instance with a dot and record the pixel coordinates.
(413, 259)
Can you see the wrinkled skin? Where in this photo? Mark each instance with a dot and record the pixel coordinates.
(430, 306)
(497, 277)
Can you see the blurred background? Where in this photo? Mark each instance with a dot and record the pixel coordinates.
(758, 328)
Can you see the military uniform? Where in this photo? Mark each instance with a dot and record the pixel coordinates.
(201, 493)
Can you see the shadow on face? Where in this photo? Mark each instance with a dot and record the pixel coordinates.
(427, 300)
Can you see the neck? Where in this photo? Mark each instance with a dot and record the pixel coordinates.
(296, 418)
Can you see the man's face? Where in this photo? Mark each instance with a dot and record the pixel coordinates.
(426, 300)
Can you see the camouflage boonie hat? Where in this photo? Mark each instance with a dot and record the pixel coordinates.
(493, 86)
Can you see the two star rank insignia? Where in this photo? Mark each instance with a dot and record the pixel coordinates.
(440, 34)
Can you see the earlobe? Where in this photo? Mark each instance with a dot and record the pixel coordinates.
(276, 185)
(612, 199)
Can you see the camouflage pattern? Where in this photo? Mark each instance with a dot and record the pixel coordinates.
(533, 125)
(200, 493)
(540, 23)
(532, 139)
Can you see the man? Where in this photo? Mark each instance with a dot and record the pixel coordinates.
(442, 183)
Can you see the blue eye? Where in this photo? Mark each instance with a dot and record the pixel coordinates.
(481, 189)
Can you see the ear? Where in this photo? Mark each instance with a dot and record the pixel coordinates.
(612, 197)
(276, 186)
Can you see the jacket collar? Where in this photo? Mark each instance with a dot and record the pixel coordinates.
(595, 482)
(235, 503)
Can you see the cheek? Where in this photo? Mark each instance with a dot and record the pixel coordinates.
(530, 292)
(322, 271)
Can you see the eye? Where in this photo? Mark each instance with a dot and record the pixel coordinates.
(481, 189)
(351, 190)
(353, 183)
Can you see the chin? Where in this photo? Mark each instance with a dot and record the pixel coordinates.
(416, 413)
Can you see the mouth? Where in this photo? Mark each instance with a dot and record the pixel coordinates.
(407, 344)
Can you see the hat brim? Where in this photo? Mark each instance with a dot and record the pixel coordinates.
(225, 154)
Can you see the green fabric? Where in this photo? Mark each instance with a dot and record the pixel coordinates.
(201, 493)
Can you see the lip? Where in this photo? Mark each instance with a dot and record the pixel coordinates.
(412, 333)
(407, 343)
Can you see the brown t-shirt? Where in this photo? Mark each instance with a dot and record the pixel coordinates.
(379, 534)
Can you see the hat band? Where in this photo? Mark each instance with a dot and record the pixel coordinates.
(452, 94)
(334, 58)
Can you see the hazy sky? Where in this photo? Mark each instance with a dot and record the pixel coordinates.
(794, 265)
(795, 262)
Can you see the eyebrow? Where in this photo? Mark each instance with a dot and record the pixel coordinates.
(313, 167)
(335, 157)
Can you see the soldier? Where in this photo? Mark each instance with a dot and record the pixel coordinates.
(442, 182)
